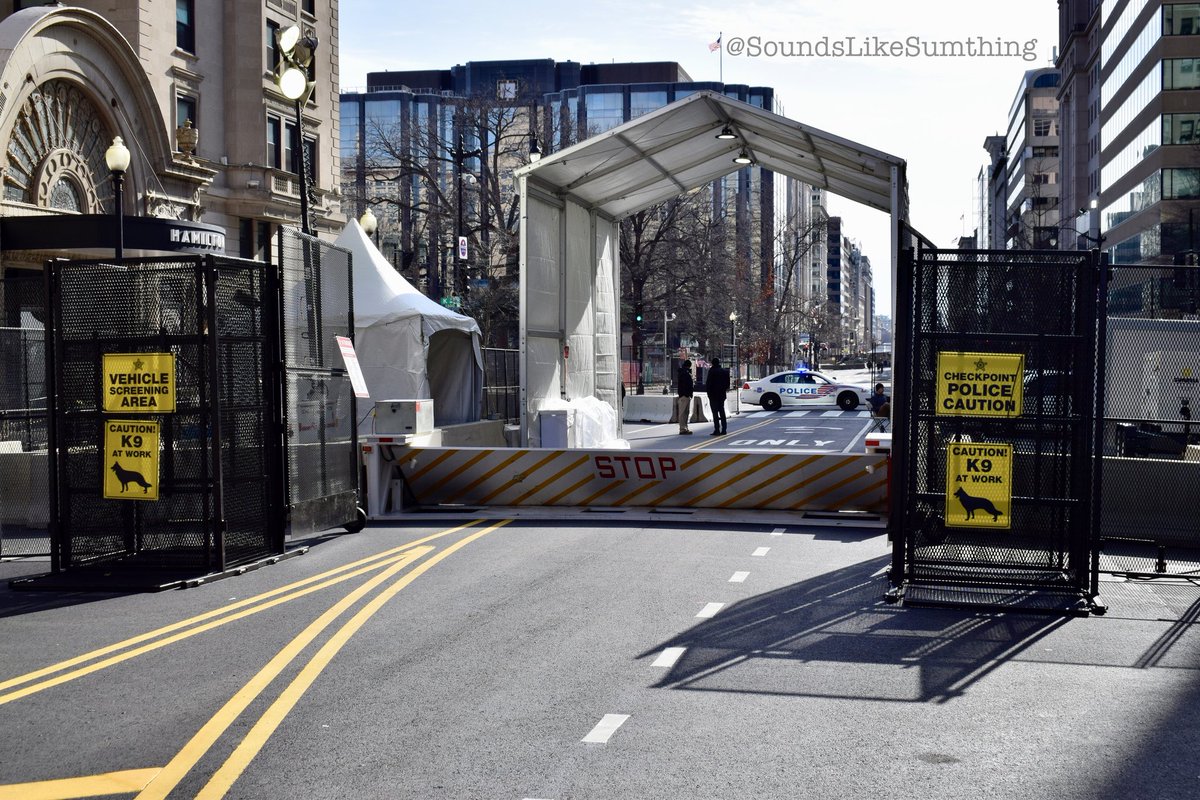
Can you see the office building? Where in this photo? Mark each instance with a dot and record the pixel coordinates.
(1149, 129)
(816, 289)
(861, 306)
(210, 148)
(423, 115)
(990, 193)
(1079, 121)
(1031, 201)
(208, 145)
(1131, 113)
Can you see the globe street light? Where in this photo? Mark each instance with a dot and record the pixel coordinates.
(296, 52)
(116, 157)
(370, 224)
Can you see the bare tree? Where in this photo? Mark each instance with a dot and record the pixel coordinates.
(1038, 218)
(775, 314)
(450, 169)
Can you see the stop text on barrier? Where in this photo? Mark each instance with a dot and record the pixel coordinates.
(647, 468)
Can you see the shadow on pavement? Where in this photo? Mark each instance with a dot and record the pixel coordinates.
(836, 620)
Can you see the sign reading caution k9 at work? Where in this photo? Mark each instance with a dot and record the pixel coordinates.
(130, 460)
(139, 383)
(980, 384)
(979, 485)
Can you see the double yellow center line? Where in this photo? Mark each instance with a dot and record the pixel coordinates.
(164, 780)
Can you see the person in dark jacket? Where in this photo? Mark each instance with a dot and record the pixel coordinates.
(683, 403)
(716, 388)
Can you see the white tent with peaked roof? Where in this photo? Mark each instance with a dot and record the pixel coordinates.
(409, 347)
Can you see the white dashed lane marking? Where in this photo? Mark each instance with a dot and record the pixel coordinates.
(605, 728)
(778, 531)
(761, 551)
(710, 610)
(668, 657)
(739, 577)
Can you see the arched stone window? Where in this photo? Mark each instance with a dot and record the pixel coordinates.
(56, 152)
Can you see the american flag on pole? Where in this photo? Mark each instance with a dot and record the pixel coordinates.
(715, 45)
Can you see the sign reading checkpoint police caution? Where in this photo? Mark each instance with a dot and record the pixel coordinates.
(139, 383)
(979, 485)
(980, 384)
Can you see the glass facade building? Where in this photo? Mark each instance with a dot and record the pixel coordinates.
(562, 103)
(1149, 109)
(1031, 201)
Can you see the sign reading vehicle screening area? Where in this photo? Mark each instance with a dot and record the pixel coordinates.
(980, 384)
(139, 383)
(979, 485)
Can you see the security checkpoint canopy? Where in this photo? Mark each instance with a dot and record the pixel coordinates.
(674, 149)
(572, 201)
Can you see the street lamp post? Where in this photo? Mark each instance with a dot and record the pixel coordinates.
(737, 367)
(116, 157)
(295, 58)
(667, 350)
(296, 51)
(461, 271)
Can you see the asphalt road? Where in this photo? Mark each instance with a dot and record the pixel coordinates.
(565, 660)
(809, 430)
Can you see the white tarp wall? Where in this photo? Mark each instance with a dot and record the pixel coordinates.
(570, 330)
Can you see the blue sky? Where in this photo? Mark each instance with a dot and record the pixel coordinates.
(932, 111)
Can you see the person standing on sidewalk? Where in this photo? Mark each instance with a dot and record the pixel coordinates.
(683, 403)
(716, 387)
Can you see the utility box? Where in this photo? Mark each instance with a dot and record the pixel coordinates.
(1172, 384)
(557, 428)
(1140, 372)
(404, 416)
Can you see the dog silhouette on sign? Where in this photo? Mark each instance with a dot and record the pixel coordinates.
(972, 504)
(128, 476)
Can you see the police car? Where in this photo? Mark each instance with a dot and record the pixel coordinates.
(802, 388)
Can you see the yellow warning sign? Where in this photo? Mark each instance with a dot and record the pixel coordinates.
(130, 460)
(980, 384)
(979, 485)
(139, 383)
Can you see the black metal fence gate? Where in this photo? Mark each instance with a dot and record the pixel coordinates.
(24, 508)
(199, 412)
(1151, 433)
(160, 442)
(316, 305)
(995, 437)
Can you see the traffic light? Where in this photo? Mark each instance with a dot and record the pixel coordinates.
(638, 316)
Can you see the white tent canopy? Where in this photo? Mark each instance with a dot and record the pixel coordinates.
(408, 346)
(571, 203)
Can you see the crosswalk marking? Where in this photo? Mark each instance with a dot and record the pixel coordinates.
(809, 412)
